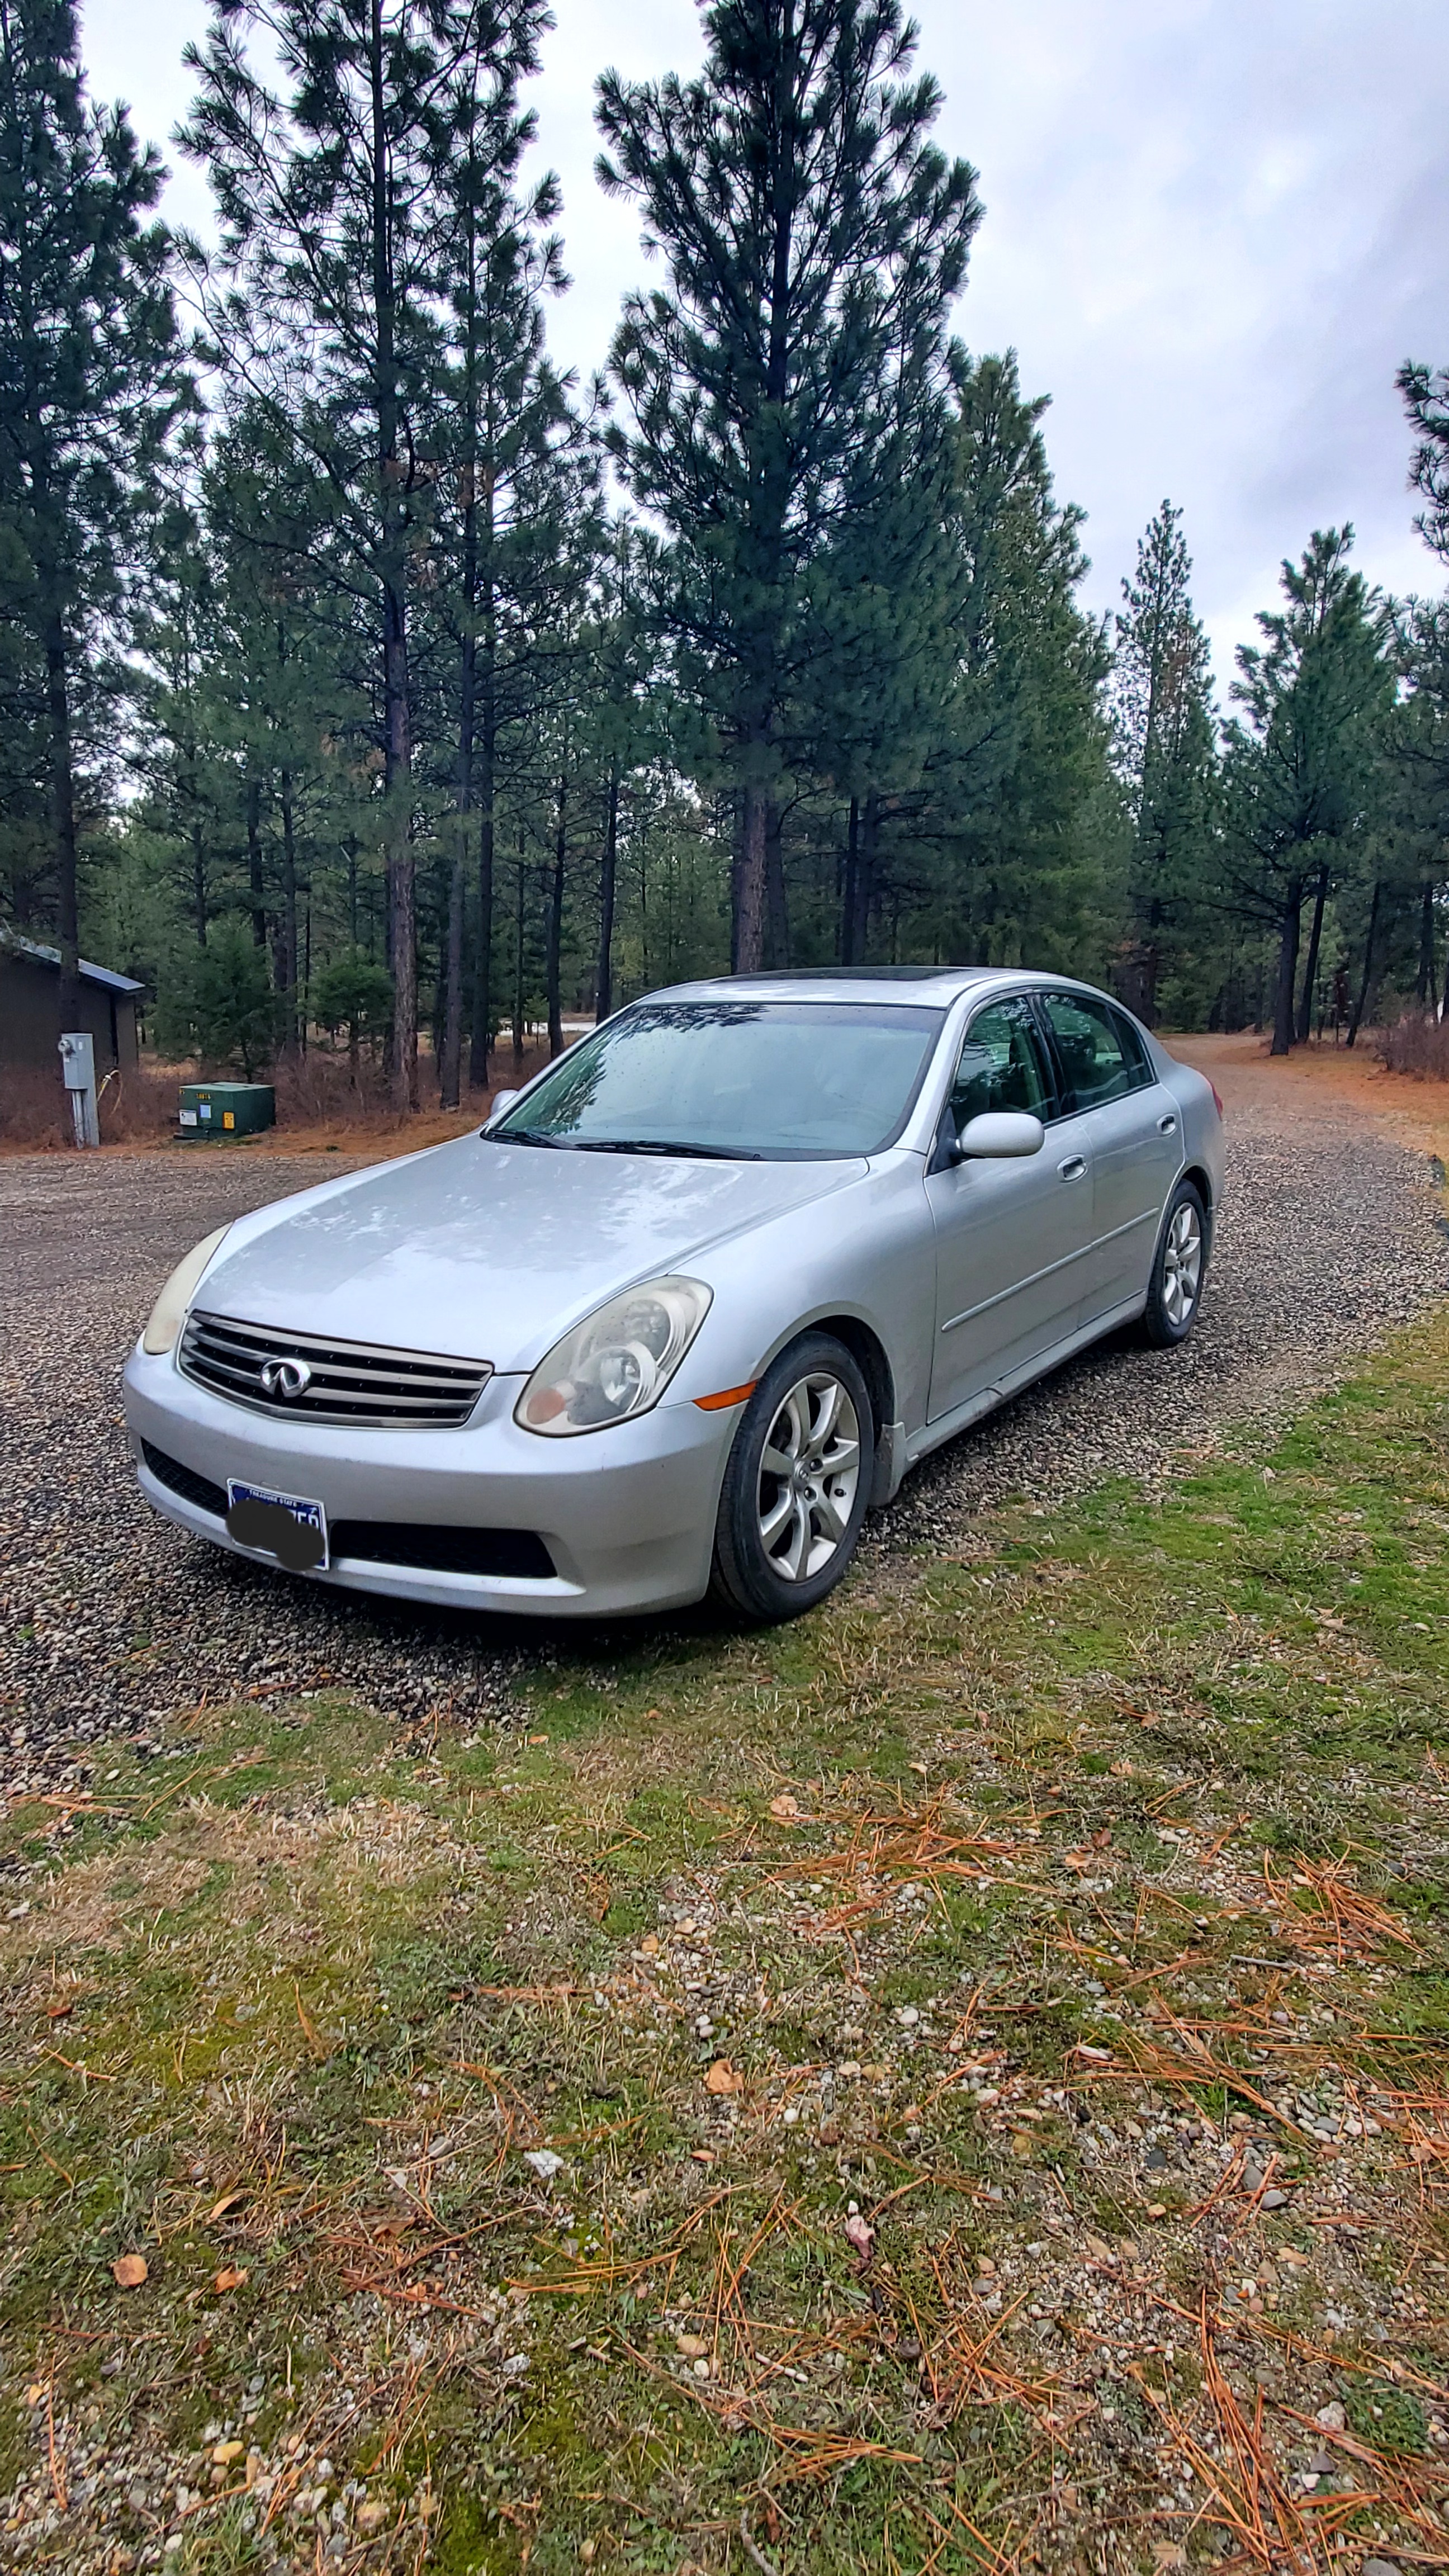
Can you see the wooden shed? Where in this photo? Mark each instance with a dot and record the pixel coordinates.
(30, 1006)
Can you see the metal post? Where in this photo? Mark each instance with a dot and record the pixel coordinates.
(78, 1069)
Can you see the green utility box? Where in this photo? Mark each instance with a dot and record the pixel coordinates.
(224, 1110)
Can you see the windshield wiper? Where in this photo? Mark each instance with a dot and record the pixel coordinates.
(664, 1145)
(527, 1136)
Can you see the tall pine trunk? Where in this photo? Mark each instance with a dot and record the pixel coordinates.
(256, 884)
(518, 955)
(485, 788)
(749, 940)
(397, 713)
(450, 1054)
(779, 918)
(847, 893)
(287, 927)
(554, 948)
(450, 1069)
(1424, 981)
(483, 963)
(1368, 966)
(608, 888)
(60, 755)
(200, 899)
(1310, 971)
(62, 810)
(860, 874)
(1285, 995)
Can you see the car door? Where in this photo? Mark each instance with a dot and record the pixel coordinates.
(1010, 1236)
(1129, 1125)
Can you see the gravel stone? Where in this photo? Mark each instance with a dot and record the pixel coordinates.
(112, 1621)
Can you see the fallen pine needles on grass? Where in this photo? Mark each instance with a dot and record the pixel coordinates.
(958, 2085)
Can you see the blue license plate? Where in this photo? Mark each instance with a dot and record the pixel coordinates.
(254, 1517)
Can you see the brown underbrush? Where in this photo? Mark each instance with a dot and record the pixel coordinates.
(1418, 1047)
(320, 1099)
(137, 1106)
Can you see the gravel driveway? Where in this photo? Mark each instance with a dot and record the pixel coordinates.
(110, 1618)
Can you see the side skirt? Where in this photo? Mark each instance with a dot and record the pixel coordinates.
(934, 1435)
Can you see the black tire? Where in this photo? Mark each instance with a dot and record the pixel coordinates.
(749, 1580)
(1175, 1291)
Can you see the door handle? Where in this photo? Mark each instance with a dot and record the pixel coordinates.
(1073, 1168)
(1167, 1126)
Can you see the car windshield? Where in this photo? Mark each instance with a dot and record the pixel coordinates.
(746, 1079)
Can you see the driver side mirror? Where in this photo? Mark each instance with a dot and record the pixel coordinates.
(502, 1100)
(999, 1135)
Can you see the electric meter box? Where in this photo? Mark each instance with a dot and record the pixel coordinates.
(220, 1111)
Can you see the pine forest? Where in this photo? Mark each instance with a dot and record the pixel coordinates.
(374, 690)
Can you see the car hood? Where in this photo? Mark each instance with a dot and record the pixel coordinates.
(489, 1251)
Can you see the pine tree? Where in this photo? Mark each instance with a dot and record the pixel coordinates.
(621, 724)
(1162, 703)
(1425, 392)
(513, 469)
(815, 238)
(1302, 770)
(1419, 747)
(229, 1008)
(1003, 855)
(92, 383)
(324, 306)
(177, 637)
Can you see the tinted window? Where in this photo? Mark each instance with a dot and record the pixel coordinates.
(1092, 1048)
(1002, 1065)
(1143, 1069)
(777, 1079)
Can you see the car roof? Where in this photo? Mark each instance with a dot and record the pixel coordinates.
(938, 984)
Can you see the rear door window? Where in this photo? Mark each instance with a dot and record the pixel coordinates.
(1099, 1056)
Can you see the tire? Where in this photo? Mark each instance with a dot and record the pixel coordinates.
(1179, 1268)
(784, 1536)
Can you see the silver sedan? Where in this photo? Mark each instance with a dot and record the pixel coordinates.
(691, 1303)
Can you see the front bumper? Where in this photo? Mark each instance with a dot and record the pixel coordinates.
(627, 1515)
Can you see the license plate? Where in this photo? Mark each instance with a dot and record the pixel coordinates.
(286, 1526)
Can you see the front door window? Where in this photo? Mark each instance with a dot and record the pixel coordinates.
(1010, 1234)
(1001, 1067)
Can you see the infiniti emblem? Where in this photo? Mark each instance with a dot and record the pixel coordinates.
(289, 1378)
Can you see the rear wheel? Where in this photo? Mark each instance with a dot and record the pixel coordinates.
(1175, 1292)
(797, 1483)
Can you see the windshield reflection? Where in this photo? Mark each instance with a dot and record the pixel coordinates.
(753, 1079)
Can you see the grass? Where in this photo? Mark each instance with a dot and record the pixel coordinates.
(954, 2084)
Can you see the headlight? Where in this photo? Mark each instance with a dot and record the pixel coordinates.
(169, 1312)
(617, 1363)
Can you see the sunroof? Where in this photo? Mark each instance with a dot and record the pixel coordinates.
(855, 974)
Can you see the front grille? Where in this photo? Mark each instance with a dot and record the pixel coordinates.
(428, 1547)
(184, 1481)
(345, 1382)
(438, 1548)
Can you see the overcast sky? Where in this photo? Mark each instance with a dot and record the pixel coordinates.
(1213, 229)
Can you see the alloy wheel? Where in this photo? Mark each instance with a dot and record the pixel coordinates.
(809, 1474)
(1182, 1265)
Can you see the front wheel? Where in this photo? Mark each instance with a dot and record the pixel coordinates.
(797, 1483)
(1175, 1291)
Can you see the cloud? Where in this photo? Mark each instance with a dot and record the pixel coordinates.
(1213, 230)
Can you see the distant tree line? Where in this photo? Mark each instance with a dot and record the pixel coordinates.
(361, 674)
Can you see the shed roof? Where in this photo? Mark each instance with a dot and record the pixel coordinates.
(90, 974)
